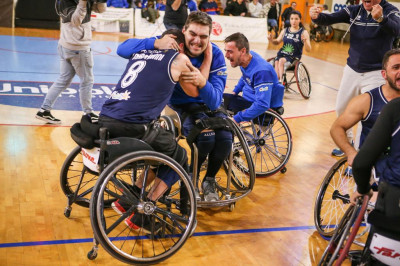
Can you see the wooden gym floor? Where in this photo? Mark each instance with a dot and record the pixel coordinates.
(272, 226)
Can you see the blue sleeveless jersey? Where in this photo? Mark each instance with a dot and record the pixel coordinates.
(144, 89)
(292, 44)
(377, 103)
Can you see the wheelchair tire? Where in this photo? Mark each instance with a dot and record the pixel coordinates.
(339, 245)
(169, 222)
(270, 145)
(71, 172)
(333, 198)
(303, 80)
(330, 34)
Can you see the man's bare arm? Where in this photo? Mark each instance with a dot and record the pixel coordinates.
(355, 111)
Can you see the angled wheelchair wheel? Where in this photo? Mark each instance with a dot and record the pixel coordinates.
(76, 180)
(242, 166)
(329, 34)
(333, 197)
(270, 143)
(339, 245)
(303, 80)
(144, 232)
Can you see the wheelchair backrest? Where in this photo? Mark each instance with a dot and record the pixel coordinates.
(168, 111)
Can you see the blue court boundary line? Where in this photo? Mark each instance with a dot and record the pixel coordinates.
(90, 240)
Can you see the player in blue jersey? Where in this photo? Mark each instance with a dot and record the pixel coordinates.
(259, 82)
(367, 106)
(385, 218)
(136, 103)
(208, 79)
(294, 39)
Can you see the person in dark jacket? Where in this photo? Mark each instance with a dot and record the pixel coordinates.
(373, 27)
(175, 14)
(236, 8)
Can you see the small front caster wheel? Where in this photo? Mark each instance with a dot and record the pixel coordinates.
(283, 170)
(67, 212)
(92, 254)
(231, 207)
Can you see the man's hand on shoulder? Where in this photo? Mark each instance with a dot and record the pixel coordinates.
(166, 42)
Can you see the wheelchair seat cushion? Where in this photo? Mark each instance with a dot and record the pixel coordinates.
(81, 138)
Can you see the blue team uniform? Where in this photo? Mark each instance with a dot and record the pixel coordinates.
(292, 45)
(134, 100)
(260, 86)
(378, 100)
(211, 94)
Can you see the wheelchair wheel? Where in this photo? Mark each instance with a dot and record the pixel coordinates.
(162, 227)
(303, 80)
(329, 34)
(341, 241)
(333, 197)
(71, 172)
(270, 143)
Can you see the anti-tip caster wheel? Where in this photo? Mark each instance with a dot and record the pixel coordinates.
(231, 207)
(283, 170)
(92, 254)
(67, 212)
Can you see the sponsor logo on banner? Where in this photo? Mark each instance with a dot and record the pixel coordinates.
(31, 94)
(216, 28)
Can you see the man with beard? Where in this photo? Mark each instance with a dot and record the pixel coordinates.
(206, 81)
(367, 106)
(259, 84)
(373, 27)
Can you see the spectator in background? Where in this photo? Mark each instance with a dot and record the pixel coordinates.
(150, 13)
(117, 3)
(209, 6)
(160, 5)
(175, 14)
(192, 5)
(236, 8)
(272, 11)
(286, 14)
(137, 4)
(255, 9)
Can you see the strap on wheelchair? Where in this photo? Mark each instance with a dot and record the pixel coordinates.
(208, 123)
(191, 109)
(152, 132)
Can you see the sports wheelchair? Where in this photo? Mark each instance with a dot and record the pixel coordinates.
(383, 243)
(102, 171)
(295, 73)
(270, 142)
(333, 198)
(321, 33)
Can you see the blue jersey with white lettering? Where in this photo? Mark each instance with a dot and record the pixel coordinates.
(259, 84)
(210, 94)
(144, 89)
(292, 44)
(378, 100)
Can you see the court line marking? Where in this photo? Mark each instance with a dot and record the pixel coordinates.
(90, 240)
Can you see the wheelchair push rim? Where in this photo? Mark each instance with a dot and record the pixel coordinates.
(170, 227)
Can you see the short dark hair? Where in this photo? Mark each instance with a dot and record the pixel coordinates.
(199, 17)
(180, 37)
(240, 41)
(387, 55)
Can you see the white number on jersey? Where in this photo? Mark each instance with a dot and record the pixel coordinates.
(132, 73)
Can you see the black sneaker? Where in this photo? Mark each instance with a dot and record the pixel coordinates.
(47, 117)
(93, 117)
(209, 189)
(142, 222)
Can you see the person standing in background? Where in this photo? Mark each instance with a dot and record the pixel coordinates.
(175, 14)
(75, 56)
